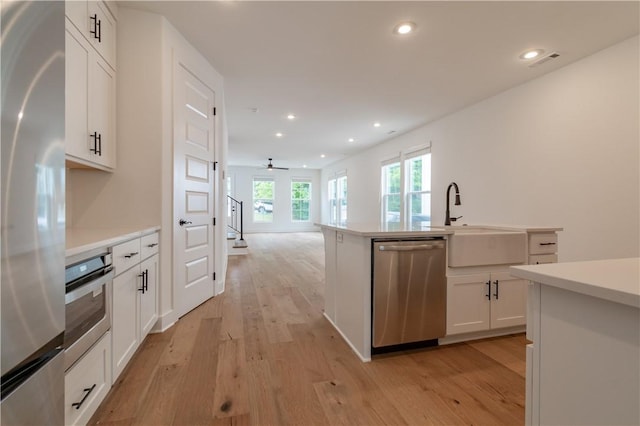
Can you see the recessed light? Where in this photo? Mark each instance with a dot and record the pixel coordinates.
(351, 140)
(404, 28)
(376, 124)
(279, 135)
(322, 155)
(291, 117)
(304, 166)
(530, 54)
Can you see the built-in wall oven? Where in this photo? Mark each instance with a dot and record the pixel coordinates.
(87, 304)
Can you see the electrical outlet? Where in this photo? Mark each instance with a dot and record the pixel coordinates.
(339, 237)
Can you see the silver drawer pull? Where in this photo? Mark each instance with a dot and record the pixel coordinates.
(130, 255)
(411, 248)
(152, 245)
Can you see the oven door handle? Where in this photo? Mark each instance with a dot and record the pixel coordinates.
(81, 291)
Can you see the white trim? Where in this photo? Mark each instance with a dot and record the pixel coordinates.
(164, 322)
(466, 337)
(389, 161)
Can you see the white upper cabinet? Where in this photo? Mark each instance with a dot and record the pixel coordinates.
(90, 85)
(97, 24)
(89, 104)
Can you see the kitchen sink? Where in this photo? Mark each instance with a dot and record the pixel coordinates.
(477, 246)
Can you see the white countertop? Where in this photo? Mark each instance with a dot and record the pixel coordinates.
(616, 280)
(384, 230)
(82, 240)
(394, 230)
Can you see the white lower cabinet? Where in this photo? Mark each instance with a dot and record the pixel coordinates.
(135, 297)
(87, 382)
(485, 301)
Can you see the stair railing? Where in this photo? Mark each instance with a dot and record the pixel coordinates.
(235, 221)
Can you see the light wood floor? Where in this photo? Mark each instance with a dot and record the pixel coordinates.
(263, 354)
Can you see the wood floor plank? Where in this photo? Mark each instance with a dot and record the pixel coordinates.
(263, 406)
(262, 353)
(195, 404)
(275, 325)
(295, 395)
(231, 396)
(160, 405)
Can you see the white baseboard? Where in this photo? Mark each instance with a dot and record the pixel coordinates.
(164, 322)
(466, 337)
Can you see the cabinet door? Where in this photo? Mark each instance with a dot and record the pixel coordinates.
(468, 304)
(508, 300)
(102, 87)
(124, 318)
(105, 40)
(77, 63)
(149, 298)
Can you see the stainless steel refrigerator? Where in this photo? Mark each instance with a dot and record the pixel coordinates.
(33, 212)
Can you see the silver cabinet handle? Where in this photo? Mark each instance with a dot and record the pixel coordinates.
(411, 248)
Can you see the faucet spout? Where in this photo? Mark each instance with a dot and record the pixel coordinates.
(448, 218)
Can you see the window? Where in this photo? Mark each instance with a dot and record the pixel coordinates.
(418, 202)
(337, 195)
(263, 191)
(406, 189)
(342, 200)
(391, 195)
(300, 200)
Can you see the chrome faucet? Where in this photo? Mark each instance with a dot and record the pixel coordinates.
(448, 219)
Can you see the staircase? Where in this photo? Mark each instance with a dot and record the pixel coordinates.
(235, 224)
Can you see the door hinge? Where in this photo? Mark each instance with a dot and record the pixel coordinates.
(214, 110)
(215, 165)
(213, 221)
(214, 276)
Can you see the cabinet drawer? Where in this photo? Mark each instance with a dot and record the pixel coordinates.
(126, 255)
(543, 243)
(88, 382)
(149, 245)
(539, 259)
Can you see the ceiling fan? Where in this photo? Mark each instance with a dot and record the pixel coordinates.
(270, 166)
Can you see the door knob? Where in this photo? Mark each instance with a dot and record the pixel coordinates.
(184, 222)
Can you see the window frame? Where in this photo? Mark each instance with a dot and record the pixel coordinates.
(332, 195)
(384, 196)
(341, 218)
(309, 182)
(406, 192)
(254, 199)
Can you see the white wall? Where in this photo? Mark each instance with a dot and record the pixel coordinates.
(561, 150)
(242, 190)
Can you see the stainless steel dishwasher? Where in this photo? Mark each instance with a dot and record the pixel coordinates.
(409, 291)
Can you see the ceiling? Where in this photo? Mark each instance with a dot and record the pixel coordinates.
(338, 66)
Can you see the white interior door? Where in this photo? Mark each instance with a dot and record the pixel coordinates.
(193, 231)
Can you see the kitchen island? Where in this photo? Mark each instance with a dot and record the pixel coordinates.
(348, 276)
(471, 312)
(583, 366)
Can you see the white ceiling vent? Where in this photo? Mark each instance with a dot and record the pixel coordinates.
(544, 59)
